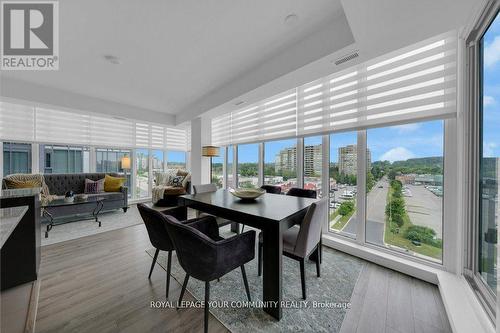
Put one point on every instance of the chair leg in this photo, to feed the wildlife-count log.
(184, 285)
(245, 281)
(303, 278)
(169, 266)
(153, 263)
(320, 251)
(207, 300)
(259, 259)
(318, 260)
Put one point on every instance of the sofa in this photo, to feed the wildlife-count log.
(59, 184)
(165, 195)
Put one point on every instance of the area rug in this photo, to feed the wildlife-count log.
(110, 221)
(328, 297)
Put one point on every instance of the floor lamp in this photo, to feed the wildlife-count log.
(125, 163)
(210, 151)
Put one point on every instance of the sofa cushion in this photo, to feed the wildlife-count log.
(113, 184)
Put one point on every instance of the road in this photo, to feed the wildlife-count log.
(376, 200)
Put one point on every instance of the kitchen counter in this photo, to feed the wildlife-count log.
(9, 219)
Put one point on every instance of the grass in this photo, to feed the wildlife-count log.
(399, 239)
(342, 221)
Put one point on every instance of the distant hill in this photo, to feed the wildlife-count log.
(420, 162)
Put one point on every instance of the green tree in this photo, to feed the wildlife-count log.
(346, 207)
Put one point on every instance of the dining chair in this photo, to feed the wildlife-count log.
(301, 242)
(301, 192)
(158, 236)
(271, 189)
(206, 256)
(209, 188)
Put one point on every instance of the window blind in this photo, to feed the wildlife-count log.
(53, 126)
(20, 122)
(17, 122)
(411, 84)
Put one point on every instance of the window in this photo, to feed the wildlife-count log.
(108, 160)
(280, 164)
(489, 174)
(217, 168)
(16, 158)
(64, 159)
(248, 160)
(230, 167)
(343, 178)
(158, 161)
(313, 163)
(176, 160)
(404, 204)
(141, 173)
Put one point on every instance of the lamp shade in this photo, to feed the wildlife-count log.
(125, 162)
(210, 151)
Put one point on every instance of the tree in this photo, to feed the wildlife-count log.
(392, 174)
(346, 207)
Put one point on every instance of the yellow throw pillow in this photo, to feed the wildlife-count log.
(17, 184)
(113, 184)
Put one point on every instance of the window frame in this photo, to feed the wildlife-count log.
(473, 155)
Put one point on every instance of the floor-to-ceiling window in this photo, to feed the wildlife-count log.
(248, 170)
(217, 168)
(280, 164)
(404, 184)
(176, 159)
(343, 179)
(230, 167)
(64, 159)
(16, 158)
(489, 174)
(108, 160)
(313, 163)
(141, 173)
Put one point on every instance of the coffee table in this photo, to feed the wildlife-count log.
(48, 210)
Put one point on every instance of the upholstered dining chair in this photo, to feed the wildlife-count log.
(300, 192)
(158, 236)
(271, 189)
(206, 256)
(301, 242)
(208, 188)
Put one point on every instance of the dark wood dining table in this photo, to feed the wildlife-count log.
(271, 213)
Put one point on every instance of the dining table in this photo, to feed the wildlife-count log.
(272, 214)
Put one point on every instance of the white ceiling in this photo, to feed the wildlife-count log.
(181, 59)
(173, 53)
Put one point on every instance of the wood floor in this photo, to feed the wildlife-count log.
(99, 284)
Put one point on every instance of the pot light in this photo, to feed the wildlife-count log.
(291, 20)
(112, 59)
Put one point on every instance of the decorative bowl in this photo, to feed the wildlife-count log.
(247, 194)
(81, 197)
(69, 199)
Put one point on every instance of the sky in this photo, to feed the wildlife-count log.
(413, 140)
(491, 86)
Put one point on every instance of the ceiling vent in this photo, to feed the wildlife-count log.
(346, 58)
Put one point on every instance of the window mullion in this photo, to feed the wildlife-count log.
(361, 187)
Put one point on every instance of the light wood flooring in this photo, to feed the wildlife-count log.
(99, 284)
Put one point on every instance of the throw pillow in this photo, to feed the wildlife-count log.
(92, 187)
(113, 184)
(176, 181)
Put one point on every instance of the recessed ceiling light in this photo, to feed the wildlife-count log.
(239, 103)
(112, 59)
(291, 20)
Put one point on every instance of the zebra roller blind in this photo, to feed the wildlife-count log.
(20, 122)
(411, 84)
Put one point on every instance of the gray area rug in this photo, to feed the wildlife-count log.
(339, 274)
(110, 221)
